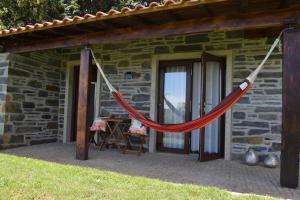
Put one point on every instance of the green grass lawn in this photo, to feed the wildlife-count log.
(24, 178)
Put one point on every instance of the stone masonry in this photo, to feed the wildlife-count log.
(30, 98)
(32, 87)
(256, 117)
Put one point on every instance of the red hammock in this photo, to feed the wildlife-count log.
(215, 113)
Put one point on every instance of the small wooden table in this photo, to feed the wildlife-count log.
(113, 125)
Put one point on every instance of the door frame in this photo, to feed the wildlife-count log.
(154, 91)
(162, 65)
(203, 156)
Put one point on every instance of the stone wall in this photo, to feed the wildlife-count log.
(4, 64)
(256, 117)
(31, 99)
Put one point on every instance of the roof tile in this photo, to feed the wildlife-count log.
(99, 15)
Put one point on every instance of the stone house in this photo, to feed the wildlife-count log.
(150, 53)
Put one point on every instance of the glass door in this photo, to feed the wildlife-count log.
(174, 104)
(212, 92)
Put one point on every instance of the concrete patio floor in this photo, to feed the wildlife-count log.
(230, 175)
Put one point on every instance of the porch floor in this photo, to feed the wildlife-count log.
(230, 175)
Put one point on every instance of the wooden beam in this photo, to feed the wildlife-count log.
(244, 4)
(252, 20)
(284, 3)
(82, 141)
(289, 171)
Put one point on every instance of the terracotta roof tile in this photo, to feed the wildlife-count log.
(138, 9)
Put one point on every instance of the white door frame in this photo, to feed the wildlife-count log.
(154, 92)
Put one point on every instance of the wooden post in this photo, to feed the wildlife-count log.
(82, 142)
(289, 171)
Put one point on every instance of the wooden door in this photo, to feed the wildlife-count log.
(213, 91)
(174, 103)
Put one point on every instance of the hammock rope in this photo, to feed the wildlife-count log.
(211, 116)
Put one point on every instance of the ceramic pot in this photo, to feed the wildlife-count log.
(251, 158)
(271, 161)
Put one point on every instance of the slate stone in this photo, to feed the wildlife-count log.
(2, 97)
(108, 103)
(268, 117)
(123, 64)
(257, 131)
(268, 109)
(18, 117)
(8, 128)
(146, 65)
(241, 73)
(147, 77)
(270, 75)
(196, 38)
(28, 104)
(3, 64)
(18, 97)
(52, 125)
(3, 80)
(234, 34)
(35, 84)
(261, 57)
(244, 100)
(52, 102)
(238, 133)
(2, 72)
(140, 97)
(273, 91)
(28, 129)
(74, 57)
(46, 116)
(53, 75)
(239, 115)
(259, 149)
(234, 46)
(13, 107)
(240, 58)
(161, 49)
(110, 69)
(16, 72)
(132, 75)
(141, 57)
(248, 140)
(275, 147)
(116, 46)
(183, 48)
(276, 129)
(42, 109)
(145, 89)
(43, 93)
(253, 124)
(106, 57)
(16, 139)
(13, 89)
(52, 88)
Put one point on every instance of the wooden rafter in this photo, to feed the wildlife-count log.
(233, 22)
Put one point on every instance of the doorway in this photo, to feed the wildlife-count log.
(188, 89)
(75, 94)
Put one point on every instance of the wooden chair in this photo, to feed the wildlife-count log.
(128, 144)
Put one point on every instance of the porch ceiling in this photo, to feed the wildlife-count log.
(186, 16)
